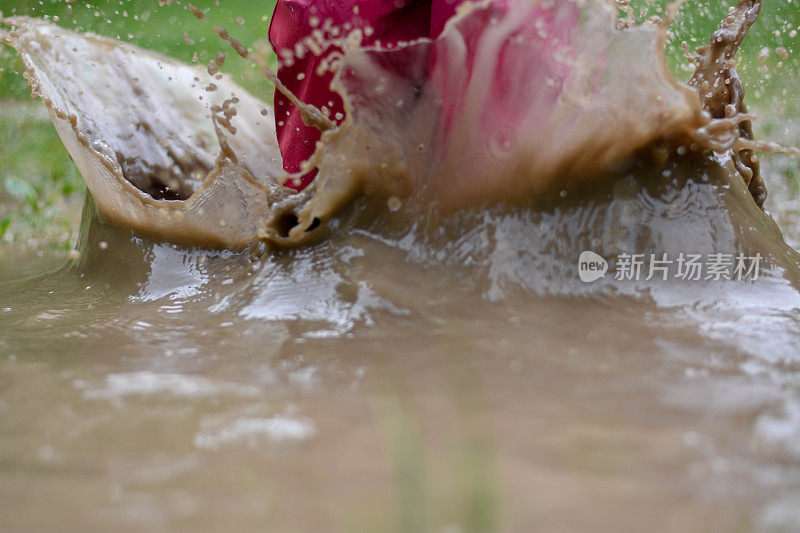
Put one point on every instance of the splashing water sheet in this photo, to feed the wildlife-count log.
(536, 284)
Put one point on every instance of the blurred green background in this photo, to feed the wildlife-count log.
(149, 25)
(37, 176)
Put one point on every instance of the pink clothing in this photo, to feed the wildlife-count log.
(527, 70)
(391, 21)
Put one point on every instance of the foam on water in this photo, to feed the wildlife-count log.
(144, 384)
(252, 431)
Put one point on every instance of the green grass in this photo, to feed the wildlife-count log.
(158, 28)
(37, 177)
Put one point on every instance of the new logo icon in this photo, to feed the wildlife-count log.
(591, 267)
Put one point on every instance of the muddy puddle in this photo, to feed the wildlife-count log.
(368, 384)
(410, 369)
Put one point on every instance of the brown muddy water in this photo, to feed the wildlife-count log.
(416, 373)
